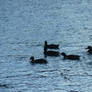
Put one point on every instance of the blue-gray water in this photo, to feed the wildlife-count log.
(25, 25)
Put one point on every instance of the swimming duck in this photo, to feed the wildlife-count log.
(51, 46)
(71, 57)
(51, 53)
(40, 61)
(89, 49)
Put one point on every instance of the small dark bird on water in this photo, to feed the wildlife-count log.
(71, 57)
(51, 53)
(51, 46)
(89, 49)
(40, 61)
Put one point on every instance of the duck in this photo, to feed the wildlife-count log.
(51, 53)
(51, 46)
(89, 49)
(40, 61)
(70, 57)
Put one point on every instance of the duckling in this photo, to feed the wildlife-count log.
(51, 53)
(89, 49)
(71, 57)
(51, 46)
(40, 61)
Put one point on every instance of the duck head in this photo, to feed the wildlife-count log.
(89, 47)
(32, 58)
(63, 54)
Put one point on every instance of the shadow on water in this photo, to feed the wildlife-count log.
(6, 86)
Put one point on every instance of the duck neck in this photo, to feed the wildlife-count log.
(64, 55)
(45, 43)
(32, 60)
(45, 50)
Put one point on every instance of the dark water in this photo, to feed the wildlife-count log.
(25, 25)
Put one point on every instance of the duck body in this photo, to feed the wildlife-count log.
(51, 46)
(51, 53)
(39, 61)
(70, 57)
